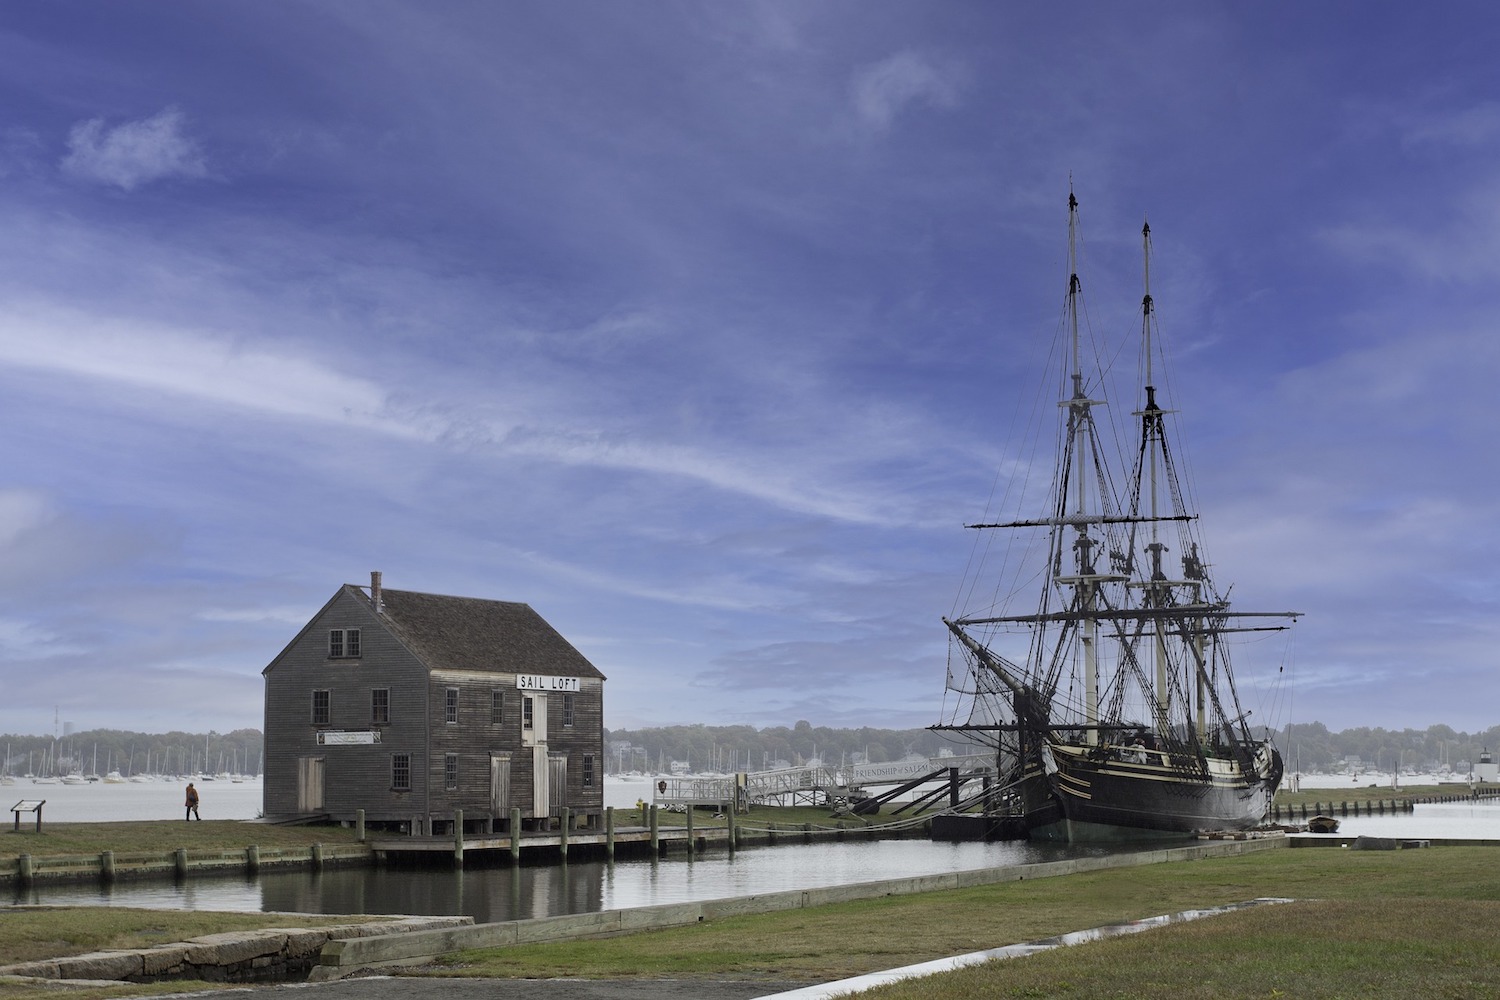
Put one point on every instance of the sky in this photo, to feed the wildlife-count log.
(700, 328)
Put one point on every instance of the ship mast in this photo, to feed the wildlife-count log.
(1152, 430)
(1079, 447)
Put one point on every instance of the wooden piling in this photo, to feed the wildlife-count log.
(107, 865)
(655, 831)
(359, 826)
(609, 832)
(567, 821)
(252, 859)
(458, 838)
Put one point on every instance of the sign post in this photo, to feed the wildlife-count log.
(29, 806)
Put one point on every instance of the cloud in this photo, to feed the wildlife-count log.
(186, 364)
(20, 512)
(887, 88)
(1474, 126)
(134, 153)
(275, 380)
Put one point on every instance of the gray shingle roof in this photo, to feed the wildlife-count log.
(467, 633)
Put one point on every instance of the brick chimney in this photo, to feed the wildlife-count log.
(375, 600)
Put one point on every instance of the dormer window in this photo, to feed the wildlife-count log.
(343, 643)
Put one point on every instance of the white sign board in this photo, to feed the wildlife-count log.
(546, 682)
(331, 739)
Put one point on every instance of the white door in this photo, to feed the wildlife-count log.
(534, 735)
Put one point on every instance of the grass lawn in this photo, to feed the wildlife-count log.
(1389, 915)
(162, 836)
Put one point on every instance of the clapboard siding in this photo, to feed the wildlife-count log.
(417, 647)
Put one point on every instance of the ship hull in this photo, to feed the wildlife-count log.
(1078, 795)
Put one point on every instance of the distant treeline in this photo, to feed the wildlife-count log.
(1306, 746)
(1311, 747)
(99, 751)
(740, 748)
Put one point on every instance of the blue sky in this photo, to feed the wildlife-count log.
(699, 327)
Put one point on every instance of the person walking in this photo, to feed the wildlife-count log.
(192, 803)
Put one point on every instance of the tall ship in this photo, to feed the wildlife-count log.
(1094, 659)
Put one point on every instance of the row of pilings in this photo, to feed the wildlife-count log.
(1375, 807)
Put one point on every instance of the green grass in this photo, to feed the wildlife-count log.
(1366, 895)
(161, 836)
(37, 933)
(1342, 948)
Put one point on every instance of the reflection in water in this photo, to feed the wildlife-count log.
(498, 891)
(487, 894)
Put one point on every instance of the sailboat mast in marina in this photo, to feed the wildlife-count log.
(1110, 702)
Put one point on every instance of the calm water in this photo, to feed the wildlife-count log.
(504, 893)
(101, 803)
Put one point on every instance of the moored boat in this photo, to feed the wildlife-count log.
(1109, 698)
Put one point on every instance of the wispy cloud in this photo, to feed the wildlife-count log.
(187, 364)
(1473, 126)
(883, 91)
(135, 152)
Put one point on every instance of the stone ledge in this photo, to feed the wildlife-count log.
(236, 956)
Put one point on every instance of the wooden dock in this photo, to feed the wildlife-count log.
(653, 837)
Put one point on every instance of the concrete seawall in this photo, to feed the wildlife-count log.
(342, 957)
(107, 865)
(264, 955)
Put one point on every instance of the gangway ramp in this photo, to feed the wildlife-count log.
(814, 784)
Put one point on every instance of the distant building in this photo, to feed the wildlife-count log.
(411, 706)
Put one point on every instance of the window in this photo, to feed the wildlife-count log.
(588, 770)
(567, 710)
(497, 707)
(451, 708)
(380, 706)
(401, 772)
(527, 713)
(450, 771)
(321, 709)
(343, 642)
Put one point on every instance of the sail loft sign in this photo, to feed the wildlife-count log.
(330, 738)
(543, 682)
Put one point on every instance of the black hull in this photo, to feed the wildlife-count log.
(1077, 796)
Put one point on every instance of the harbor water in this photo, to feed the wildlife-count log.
(497, 891)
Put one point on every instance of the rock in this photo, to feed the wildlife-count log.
(101, 965)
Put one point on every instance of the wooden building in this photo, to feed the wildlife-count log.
(411, 706)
